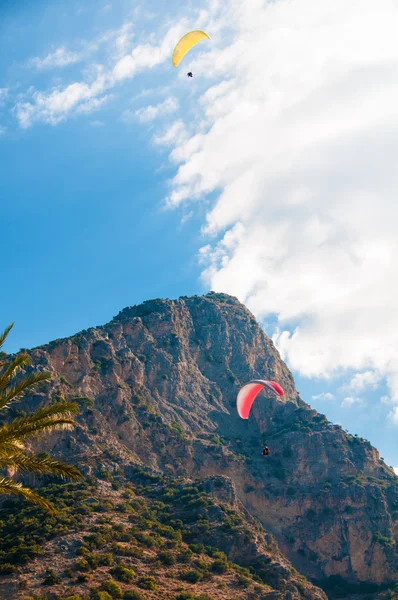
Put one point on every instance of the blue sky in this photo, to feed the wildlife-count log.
(270, 176)
(84, 195)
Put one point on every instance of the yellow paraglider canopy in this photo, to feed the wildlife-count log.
(186, 43)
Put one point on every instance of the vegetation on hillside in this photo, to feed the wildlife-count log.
(152, 536)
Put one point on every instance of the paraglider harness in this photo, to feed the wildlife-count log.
(266, 451)
(189, 74)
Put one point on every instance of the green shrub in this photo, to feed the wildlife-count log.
(185, 556)
(382, 540)
(113, 589)
(148, 583)
(189, 596)
(101, 595)
(82, 565)
(197, 548)
(243, 580)
(219, 566)
(51, 578)
(178, 430)
(192, 576)
(133, 551)
(7, 569)
(202, 565)
(123, 573)
(68, 573)
(104, 560)
(167, 558)
(133, 595)
(145, 540)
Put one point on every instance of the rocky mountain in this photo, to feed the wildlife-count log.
(158, 385)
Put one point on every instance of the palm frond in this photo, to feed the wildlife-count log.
(5, 333)
(58, 409)
(14, 392)
(8, 487)
(41, 465)
(55, 416)
(12, 433)
(19, 361)
(11, 448)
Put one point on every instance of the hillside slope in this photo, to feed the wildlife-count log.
(147, 535)
(158, 386)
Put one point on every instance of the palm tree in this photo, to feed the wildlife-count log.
(14, 456)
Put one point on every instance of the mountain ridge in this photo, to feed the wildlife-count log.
(158, 386)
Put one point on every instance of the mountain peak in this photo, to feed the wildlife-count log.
(158, 387)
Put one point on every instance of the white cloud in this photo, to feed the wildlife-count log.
(93, 104)
(61, 57)
(396, 470)
(145, 56)
(385, 400)
(128, 116)
(350, 401)
(150, 113)
(117, 42)
(324, 396)
(173, 135)
(362, 381)
(393, 416)
(298, 137)
(124, 39)
(57, 104)
(97, 124)
(3, 95)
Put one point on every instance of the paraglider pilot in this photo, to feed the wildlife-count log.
(265, 451)
(189, 74)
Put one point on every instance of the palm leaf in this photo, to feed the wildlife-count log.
(41, 465)
(14, 392)
(8, 487)
(10, 448)
(19, 361)
(48, 418)
(58, 409)
(12, 433)
(5, 333)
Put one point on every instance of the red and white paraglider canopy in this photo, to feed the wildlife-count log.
(249, 393)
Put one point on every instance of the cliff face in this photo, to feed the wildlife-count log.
(158, 386)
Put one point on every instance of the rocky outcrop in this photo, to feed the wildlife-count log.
(158, 386)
